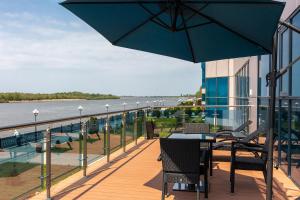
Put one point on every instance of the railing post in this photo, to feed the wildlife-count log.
(135, 127)
(43, 160)
(84, 153)
(124, 131)
(48, 163)
(107, 139)
(144, 124)
(215, 118)
(183, 116)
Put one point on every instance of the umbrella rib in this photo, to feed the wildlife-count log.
(194, 26)
(188, 37)
(160, 22)
(190, 17)
(227, 28)
(138, 26)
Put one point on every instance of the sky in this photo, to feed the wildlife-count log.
(45, 48)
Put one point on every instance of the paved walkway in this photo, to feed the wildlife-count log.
(137, 176)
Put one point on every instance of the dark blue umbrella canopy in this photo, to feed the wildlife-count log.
(192, 30)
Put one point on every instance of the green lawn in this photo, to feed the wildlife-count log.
(11, 169)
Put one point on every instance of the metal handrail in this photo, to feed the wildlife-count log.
(45, 122)
(202, 106)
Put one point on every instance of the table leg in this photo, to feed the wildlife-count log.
(211, 159)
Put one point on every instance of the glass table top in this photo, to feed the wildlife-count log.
(205, 137)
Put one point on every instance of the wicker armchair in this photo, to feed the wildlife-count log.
(183, 162)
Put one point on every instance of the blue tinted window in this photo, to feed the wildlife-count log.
(295, 54)
(222, 101)
(285, 61)
(222, 87)
(264, 68)
(211, 101)
(211, 85)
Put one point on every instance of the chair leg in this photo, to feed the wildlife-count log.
(211, 160)
(232, 178)
(198, 191)
(166, 189)
(206, 184)
(163, 189)
(265, 175)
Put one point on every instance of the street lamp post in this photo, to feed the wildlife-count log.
(80, 108)
(124, 105)
(154, 102)
(35, 113)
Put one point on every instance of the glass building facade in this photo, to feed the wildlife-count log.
(288, 100)
(242, 94)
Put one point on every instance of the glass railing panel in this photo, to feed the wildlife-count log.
(129, 127)
(21, 163)
(140, 123)
(95, 138)
(295, 141)
(115, 132)
(66, 148)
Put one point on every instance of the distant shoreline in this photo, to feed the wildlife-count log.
(16, 97)
(54, 100)
(46, 100)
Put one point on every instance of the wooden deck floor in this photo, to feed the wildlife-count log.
(137, 176)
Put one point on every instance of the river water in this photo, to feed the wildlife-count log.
(18, 113)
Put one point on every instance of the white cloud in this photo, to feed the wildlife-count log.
(37, 43)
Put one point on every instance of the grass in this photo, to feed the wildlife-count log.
(12, 169)
(59, 149)
(92, 140)
(165, 122)
(164, 134)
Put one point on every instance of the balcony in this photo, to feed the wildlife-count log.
(110, 158)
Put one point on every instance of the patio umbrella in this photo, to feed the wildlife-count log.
(192, 30)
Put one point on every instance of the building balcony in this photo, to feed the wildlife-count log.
(106, 156)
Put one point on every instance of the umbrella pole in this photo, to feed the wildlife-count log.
(271, 124)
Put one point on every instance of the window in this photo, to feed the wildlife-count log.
(295, 54)
(211, 85)
(284, 89)
(264, 68)
(242, 85)
(217, 91)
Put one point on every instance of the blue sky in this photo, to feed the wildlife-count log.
(45, 48)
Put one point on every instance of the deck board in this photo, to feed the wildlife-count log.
(137, 176)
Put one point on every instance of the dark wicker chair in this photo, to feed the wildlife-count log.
(195, 128)
(183, 162)
(150, 126)
(257, 162)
